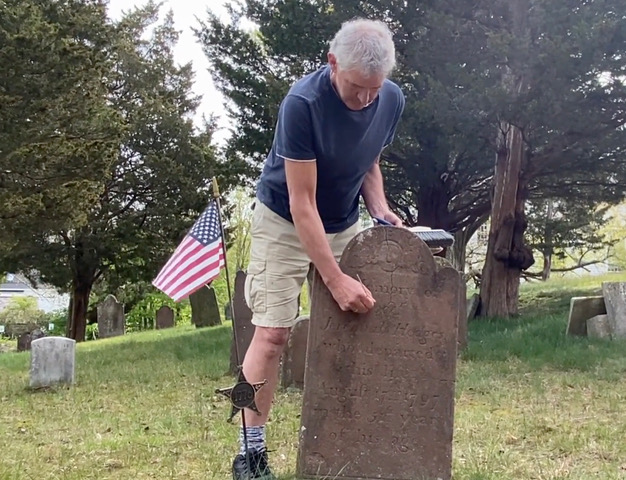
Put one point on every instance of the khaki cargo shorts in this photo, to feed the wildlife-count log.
(279, 266)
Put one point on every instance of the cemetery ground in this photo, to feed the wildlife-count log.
(531, 403)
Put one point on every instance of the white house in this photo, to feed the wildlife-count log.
(48, 299)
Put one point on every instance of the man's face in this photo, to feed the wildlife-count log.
(356, 90)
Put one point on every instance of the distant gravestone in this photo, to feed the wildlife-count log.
(52, 362)
(243, 328)
(615, 301)
(164, 317)
(294, 356)
(24, 342)
(462, 329)
(472, 306)
(462, 322)
(204, 309)
(378, 399)
(582, 309)
(111, 322)
(598, 327)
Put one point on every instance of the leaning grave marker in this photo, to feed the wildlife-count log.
(378, 398)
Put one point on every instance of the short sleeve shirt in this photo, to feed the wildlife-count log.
(315, 125)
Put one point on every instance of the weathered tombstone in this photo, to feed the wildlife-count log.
(52, 361)
(472, 306)
(615, 301)
(582, 309)
(242, 325)
(204, 309)
(164, 317)
(599, 327)
(24, 342)
(294, 356)
(443, 262)
(111, 321)
(462, 328)
(378, 398)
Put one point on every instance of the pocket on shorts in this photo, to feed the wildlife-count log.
(255, 288)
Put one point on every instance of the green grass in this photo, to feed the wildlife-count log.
(531, 404)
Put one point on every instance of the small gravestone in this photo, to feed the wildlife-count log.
(472, 306)
(204, 309)
(111, 322)
(378, 400)
(294, 357)
(443, 262)
(164, 317)
(243, 329)
(24, 342)
(598, 327)
(463, 331)
(52, 361)
(582, 309)
(615, 300)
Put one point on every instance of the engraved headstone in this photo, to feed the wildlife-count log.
(164, 317)
(242, 325)
(204, 309)
(615, 300)
(378, 398)
(582, 309)
(294, 356)
(111, 321)
(52, 361)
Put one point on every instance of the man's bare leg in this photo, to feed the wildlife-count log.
(261, 363)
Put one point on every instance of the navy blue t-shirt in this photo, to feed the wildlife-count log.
(315, 125)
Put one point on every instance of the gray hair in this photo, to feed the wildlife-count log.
(364, 45)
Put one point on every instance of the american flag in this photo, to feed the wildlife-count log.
(198, 259)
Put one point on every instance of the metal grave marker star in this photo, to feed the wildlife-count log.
(241, 395)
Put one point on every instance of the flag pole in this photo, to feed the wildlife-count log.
(239, 401)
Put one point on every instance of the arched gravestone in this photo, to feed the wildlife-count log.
(378, 399)
(205, 311)
(111, 320)
(165, 317)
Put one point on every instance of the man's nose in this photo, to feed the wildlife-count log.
(364, 96)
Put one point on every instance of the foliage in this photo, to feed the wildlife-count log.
(440, 155)
(23, 310)
(153, 189)
(59, 135)
(59, 319)
(615, 231)
(143, 315)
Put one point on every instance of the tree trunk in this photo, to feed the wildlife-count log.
(80, 303)
(547, 265)
(507, 255)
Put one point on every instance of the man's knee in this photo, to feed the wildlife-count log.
(272, 339)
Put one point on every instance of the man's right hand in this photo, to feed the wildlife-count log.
(350, 294)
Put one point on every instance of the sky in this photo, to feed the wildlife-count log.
(186, 13)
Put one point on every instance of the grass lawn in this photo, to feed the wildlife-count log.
(531, 404)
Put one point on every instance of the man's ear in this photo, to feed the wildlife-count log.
(332, 61)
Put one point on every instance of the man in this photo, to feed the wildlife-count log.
(332, 126)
